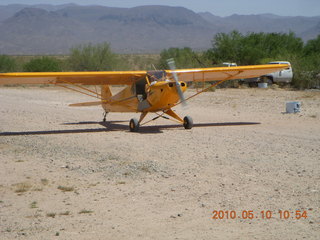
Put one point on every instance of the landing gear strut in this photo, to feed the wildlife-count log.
(104, 117)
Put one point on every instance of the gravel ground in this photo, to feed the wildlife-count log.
(66, 175)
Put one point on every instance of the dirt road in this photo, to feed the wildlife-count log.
(66, 175)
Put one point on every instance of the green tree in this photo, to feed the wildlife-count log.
(183, 57)
(225, 47)
(253, 47)
(43, 64)
(307, 67)
(312, 46)
(93, 58)
(7, 64)
(305, 70)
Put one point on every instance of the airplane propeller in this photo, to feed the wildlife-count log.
(172, 67)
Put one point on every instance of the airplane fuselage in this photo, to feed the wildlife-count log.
(157, 96)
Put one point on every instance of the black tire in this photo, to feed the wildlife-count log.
(253, 84)
(270, 81)
(134, 125)
(187, 122)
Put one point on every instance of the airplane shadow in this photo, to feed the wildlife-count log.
(117, 126)
(159, 128)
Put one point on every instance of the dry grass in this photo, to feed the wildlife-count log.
(66, 189)
(66, 213)
(34, 204)
(310, 95)
(84, 211)
(22, 187)
(34, 216)
(121, 182)
(94, 184)
(44, 181)
(53, 215)
(37, 189)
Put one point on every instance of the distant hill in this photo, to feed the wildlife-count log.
(10, 10)
(48, 29)
(268, 23)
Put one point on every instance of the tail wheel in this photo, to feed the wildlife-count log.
(134, 125)
(187, 122)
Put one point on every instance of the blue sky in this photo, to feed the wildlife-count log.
(217, 7)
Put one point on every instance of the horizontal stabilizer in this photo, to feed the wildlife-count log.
(86, 104)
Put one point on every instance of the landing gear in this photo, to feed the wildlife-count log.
(187, 122)
(104, 117)
(134, 125)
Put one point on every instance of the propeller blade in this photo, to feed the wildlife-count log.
(172, 66)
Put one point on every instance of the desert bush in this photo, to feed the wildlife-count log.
(90, 57)
(43, 64)
(312, 47)
(251, 48)
(260, 48)
(7, 64)
(306, 65)
(183, 57)
(306, 71)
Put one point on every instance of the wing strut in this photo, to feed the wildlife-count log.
(211, 86)
(83, 88)
(75, 90)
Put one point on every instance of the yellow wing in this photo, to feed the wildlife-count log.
(130, 77)
(84, 78)
(225, 73)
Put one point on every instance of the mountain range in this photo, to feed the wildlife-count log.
(54, 29)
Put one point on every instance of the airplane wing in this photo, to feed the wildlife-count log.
(83, 78)
(225, 73)
(130, 77)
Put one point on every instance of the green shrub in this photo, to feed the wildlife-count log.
(183, 57)
(93, 58)
(251, 48)
(306, 71)
(7, 64)
(43, 64)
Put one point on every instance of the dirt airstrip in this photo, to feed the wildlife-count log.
(66, 175)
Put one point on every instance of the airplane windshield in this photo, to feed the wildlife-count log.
(156, 75)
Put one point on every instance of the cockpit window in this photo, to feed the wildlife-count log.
(156, 75)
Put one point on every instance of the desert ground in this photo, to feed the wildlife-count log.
(64, 174)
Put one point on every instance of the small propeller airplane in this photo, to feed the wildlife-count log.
(146, 92)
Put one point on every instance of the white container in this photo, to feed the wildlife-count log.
(262, 85)
(293, 107)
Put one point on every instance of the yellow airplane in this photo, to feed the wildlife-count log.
(146, 91)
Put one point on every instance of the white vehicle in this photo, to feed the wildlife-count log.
(230, 64)
(284, 76)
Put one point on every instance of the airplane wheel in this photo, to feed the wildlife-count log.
(134, 125)
(187, 122)
(270, 81)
